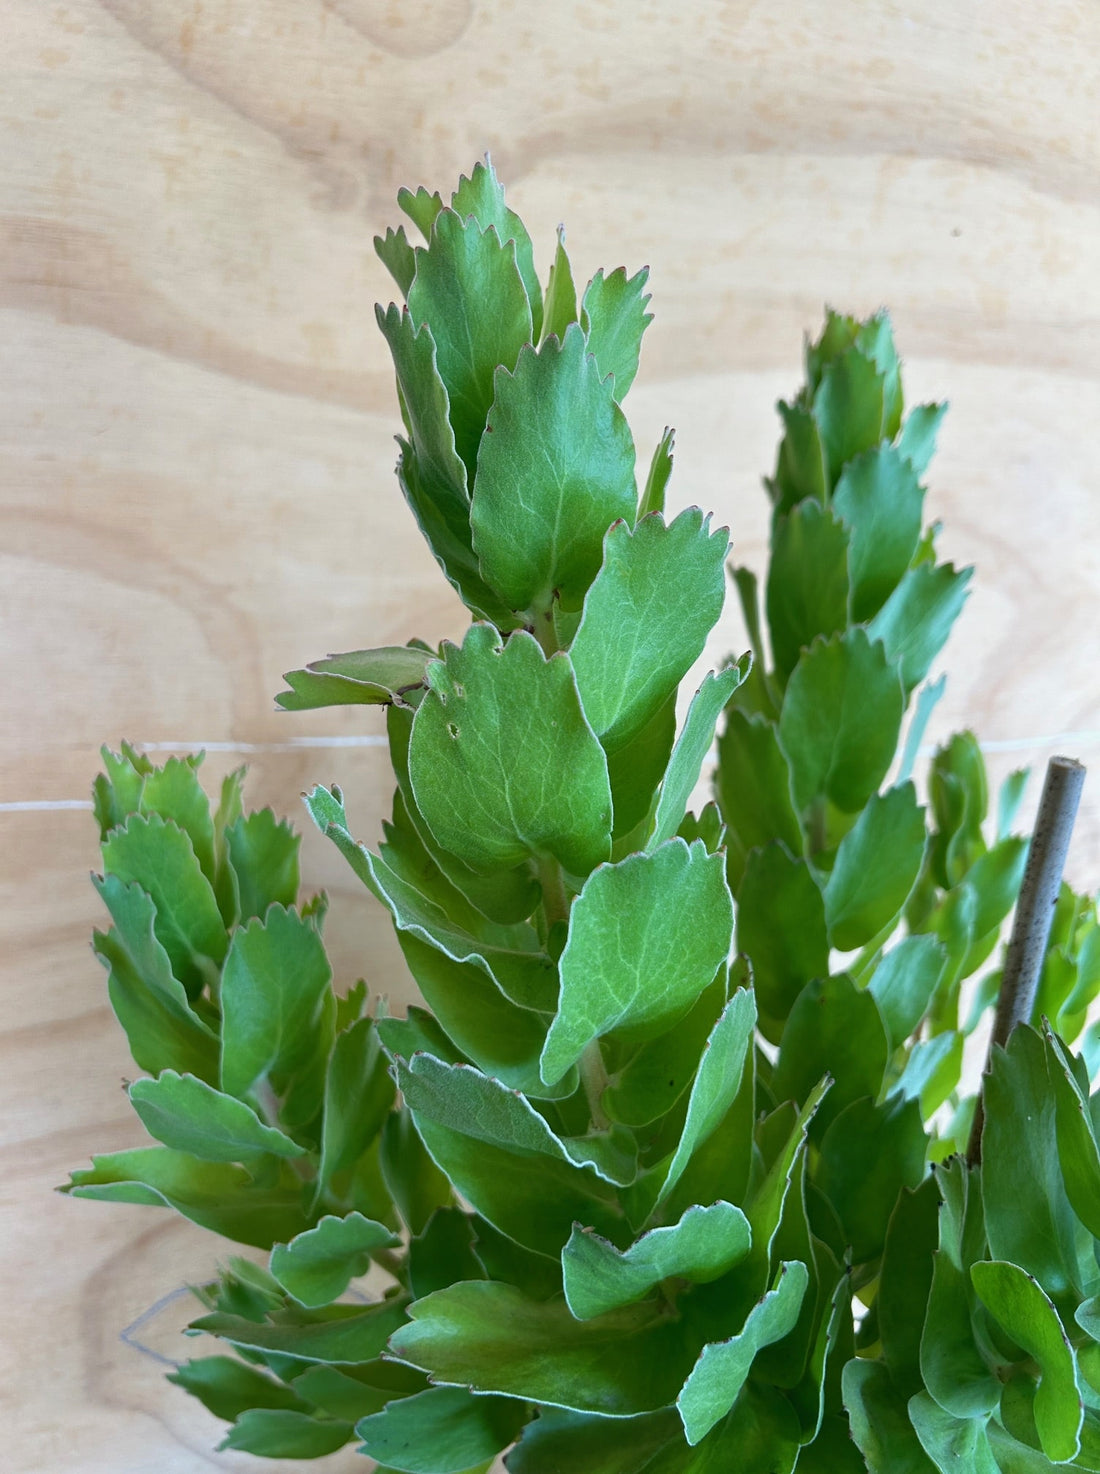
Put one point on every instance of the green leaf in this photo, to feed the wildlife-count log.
(807, 591)
(463, 1099)
(561, 294)
(840, 720)
(868, 1154)
(848, 408)
(692, 746)
(636, 771)
(876, 867)
(635, 644)
(700, 1247)
(1078, 1152)
(359, 678)
(175, 793)
(416, 1184)
(1029, 1219)
(880, 1424)
(185, 1113)
(427, 411)
(645, 938)
(421, 208)
(656, 1075)
(714, 1092)
(275, 1433)
(951, 1443)
(753, 784)
(264, 855)
(875, 337)
(916, 619)
(482, 196)
(927, 702)
(443, 1253)
(582, 1443)
(918, 435)
(444, 1430)
(397, 256)
(881, 500)
(358, 1096)
(903, 984)
(800, 471)
(159, 856)
(274, 990)
(529, 1196)
(228, 1387)
(219, 1196)
(614, 316)
(501, 733)
(469, 289)
(781, 929)
(344, 1335)
(555, 469)
(117, 793)
(1017, 1302)
(317, 1266)
(1009, 799)
(660, 469)
(834, 1028)
(905, 1282)
(951, 1363)
(723, 1366)
(491, 1338)
(161, 1028)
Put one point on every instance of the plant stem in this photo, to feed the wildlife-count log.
(1042, 882)
(594, 1079)
(555, 903)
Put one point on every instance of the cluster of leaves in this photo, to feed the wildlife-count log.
(652, 1194)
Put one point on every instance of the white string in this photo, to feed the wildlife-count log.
(56, 805)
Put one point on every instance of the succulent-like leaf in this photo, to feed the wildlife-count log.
(614, 317)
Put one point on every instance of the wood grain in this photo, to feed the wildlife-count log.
(196, 454)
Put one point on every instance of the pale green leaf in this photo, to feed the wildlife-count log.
(692, 746)
(397, 256)
(175, 793)
(317, 1266)
(660, 469)
(614, 316)
(951, 1443)
(341, 1335)
(917, 442)
(228, 1387)
(916, 619)
(357, 678)
(264, 855)
(186, 1113)
(358, 1096)
(482, 196)
(445, 1430)
(560, 308)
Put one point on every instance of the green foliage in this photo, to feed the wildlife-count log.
(664, 1178)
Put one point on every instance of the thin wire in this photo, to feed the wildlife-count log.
(127, 1335)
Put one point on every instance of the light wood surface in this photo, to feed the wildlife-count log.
(196, 455)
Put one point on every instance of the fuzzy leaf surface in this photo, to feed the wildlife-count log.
(357, 678)
(445, 1430)
(692, 746)
(191, 1116)
(646, 936)
(317, 1266)
(501, 735)
(481, 195)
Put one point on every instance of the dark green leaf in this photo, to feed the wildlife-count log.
(358, 1095)
(555, 469)
(501, 732)
(848, 408)
(635, 644)
(264, 855)
(834, 1028)
(275, 1433)
(880, 1424)
(346, 1335)
(427, 412)
(581, 1443)
(868, 1155)
(646, 936)
(469, 289)
(614, 316)
(444, 1430)
(840, 720)
(905, 1282)
(228, 1387)
(807, 592)
(876, 867)
(443, 1253)
(397, 256)
(951, 1443)
(800, 470)
(416, 1184)
(903, 984)
(636, 771)
(656, 1075)
(781, 929)
(186, 1113)
(753, 784)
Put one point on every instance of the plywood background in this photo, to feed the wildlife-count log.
(195, 442)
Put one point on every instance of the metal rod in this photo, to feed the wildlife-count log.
(1042, 882)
